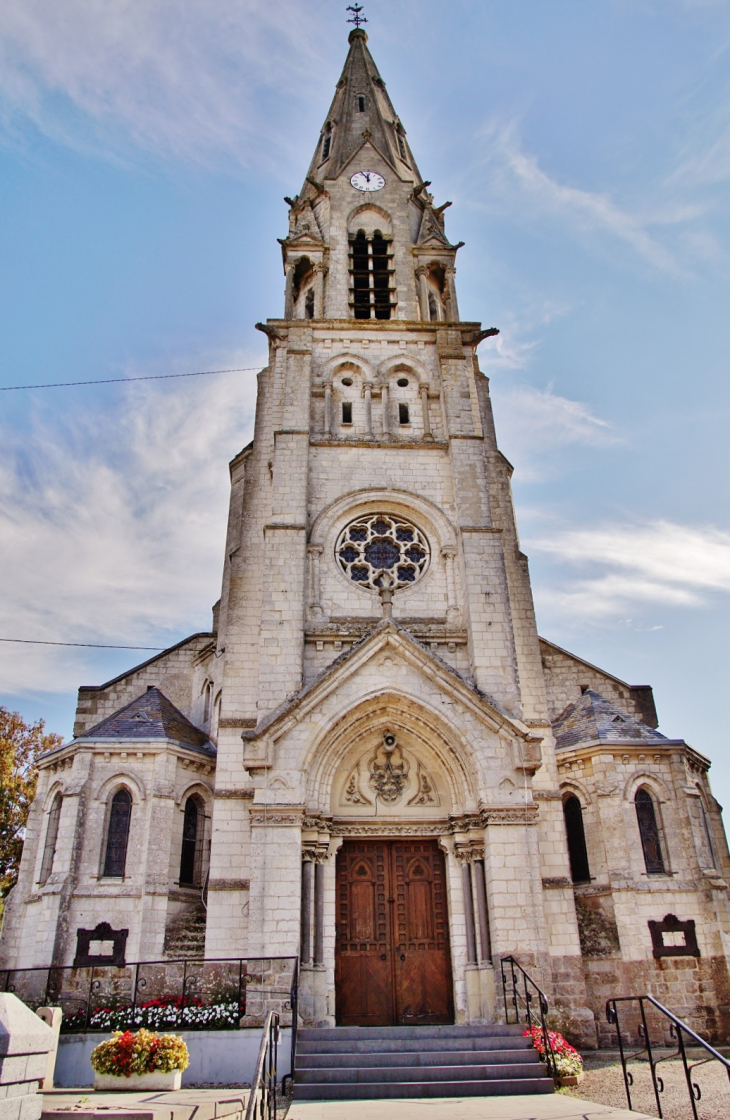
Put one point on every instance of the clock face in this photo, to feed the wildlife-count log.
(367, 181)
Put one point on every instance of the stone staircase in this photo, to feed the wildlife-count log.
(370, 1063)
(185, 934)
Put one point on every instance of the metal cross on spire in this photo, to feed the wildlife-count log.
(357, 19)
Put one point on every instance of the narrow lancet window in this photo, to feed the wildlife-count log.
(346, 412)
(190, 851)
(309, 304)
(573, 813)
(326, 143)
(402, 147)
(649, 832)
(49, 848)
(115, 858)
(403, 417)
(361, 104)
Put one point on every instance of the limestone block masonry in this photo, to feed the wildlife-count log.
(371, 760)
(25, 1042)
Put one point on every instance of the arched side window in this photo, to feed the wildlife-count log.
(117, 835)
(573, 813)
(711, 860)
(49, 848)
(191, 851)
(649, 832)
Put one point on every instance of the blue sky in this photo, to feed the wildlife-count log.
(145, 148)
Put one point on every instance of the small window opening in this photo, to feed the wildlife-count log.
(49, 848)
(402, 381)
(403, 414)
(191, 851)
(208, 696)
(326, 142)
(402, 146)
(309, 304)
(115, 857)
(649, 832)
(361, 104)
(347, 381)
(575, 832)
(432, 307)
(346, 412)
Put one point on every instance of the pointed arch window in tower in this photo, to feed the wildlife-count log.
(649, 832)
(192, 846)
(360, 104)
(371, 269)
(327, 142)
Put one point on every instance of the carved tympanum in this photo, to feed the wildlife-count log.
(390, 774)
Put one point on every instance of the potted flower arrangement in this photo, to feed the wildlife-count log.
(568, 1062)
(139, 1061)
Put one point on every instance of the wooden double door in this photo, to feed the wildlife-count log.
(393, 964)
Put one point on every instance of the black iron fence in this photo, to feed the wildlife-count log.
(637, 1021)
(185, 994)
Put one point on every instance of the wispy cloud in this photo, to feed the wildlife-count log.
(112, 523)
(516, 176)
(620, 567)
(536, 424)
(194, 80)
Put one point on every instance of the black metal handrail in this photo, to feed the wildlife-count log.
(262, 1100)
(176, 985)
(677, 1030)
(523, 991)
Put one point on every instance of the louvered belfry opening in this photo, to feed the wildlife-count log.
(371, 269)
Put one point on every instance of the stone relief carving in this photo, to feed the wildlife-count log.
(389, 774)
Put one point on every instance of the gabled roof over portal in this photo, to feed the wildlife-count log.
(593, 718)
(151, 716)
(389, 633)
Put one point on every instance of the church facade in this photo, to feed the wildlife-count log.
(372, 761)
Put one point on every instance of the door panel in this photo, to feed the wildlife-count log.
(392, 948)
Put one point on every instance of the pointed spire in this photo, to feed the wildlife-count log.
(361, 111)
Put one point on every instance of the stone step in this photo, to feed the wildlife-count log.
(389, 1090)
(417, 1074)
(334, 1045)
(480, 1057)
(458, 1030)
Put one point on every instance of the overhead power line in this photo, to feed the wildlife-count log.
(84, 645)
(121, 380)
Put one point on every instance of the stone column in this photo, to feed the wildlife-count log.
(485, 941)
(422, 273)
(452, 306)
(319, 913)
(368, 387)
(328, 410)
(315, 553)
(471, 944)
(289, 291)
(306, 937)
(320, 271)
(452, 610)
(426, 417)
(384, 406)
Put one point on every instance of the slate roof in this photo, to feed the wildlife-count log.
(151, 716)
(593, 718)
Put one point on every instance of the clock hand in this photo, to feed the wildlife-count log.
(367, 176)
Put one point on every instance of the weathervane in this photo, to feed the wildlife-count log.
(357, 19)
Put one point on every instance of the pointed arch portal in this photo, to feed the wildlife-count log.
(392, 959)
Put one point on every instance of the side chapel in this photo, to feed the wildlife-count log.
(372, 760)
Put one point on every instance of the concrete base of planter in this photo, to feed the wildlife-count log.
(570, 1079)
(138, 1082)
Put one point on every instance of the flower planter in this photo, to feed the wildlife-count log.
(570, 1079)
(138, 1082)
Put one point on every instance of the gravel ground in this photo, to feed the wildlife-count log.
(603, 1083)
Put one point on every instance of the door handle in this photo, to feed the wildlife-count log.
(402, 956)
(383, 956)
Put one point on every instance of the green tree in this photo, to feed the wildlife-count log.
(21, 744)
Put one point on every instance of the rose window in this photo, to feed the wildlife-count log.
(382, 543)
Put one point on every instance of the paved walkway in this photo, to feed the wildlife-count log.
(181, 1104)
(538, 1107)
